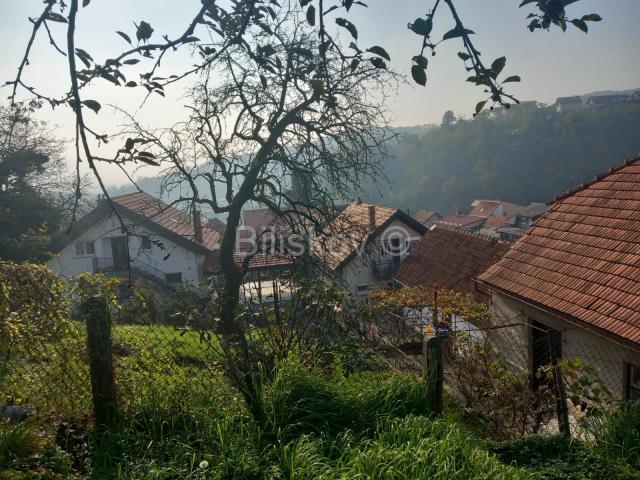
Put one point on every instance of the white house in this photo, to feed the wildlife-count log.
(160, 242)
(365, 244)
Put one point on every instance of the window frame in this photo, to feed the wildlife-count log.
(632, 388)
(93, 247)
(79, 249)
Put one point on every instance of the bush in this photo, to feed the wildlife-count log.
(32, 302)
(558, 458)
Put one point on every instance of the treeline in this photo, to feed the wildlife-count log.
(522, 158)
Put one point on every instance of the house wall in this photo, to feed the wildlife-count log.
(360, 270)
(606, 356)
(68, 264)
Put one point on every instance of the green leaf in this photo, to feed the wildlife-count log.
(263, 81)
(457, 32)
(381, 52)
(92, 104)
(378, 63)
(55, 17)
(421, 61)
(419, 75)
(592, 17)
(131, 84)
(581, 24)
(526, 2)
(343, 22)
(512, 78)
(464, 56)
(347, 4)
(354, 64)
(143, 31)
(480, 106)
(311, 15)
(421, 26)
(85, 3)
(131, 61)
(498, 65)
(124, 35)
(318, 86)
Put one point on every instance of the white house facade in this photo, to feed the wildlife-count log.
(159, 242)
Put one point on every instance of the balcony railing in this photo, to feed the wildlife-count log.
(385, 269)
(137, 268)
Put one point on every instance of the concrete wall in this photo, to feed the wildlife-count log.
(68, 264)
(608, 357)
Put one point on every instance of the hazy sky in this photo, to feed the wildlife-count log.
(551, 64)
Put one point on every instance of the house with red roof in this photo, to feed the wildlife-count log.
(160, 242)
(365, 244)
(450, 258)
(575, 273)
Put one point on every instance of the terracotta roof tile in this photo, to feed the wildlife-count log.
(450, 258)
(168, 217)
(582, 257)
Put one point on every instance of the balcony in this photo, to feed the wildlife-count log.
(384, 269)
(136, 268)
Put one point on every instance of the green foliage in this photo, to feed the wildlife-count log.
(299, 401)
(521, 158)
(32, 302)
(618, 435)
(556, 458)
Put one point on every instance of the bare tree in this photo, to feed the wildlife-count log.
(266, 115)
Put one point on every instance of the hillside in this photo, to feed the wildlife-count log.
(522, 159)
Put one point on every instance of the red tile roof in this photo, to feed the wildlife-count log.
(423, 216)
(463, 221)
(348, 230)
(264, 261)
(450, 258)
(167, 217)
(582, 257)
(484, 208)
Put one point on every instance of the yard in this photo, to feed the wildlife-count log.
(181, 419)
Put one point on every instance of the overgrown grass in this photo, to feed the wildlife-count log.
(180, 419)
(558, 458)
(618, 435)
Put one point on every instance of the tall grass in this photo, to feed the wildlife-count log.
(618, 436)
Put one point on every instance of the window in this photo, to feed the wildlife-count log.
(173, 278)
(633, 382)
(85, 248)
(146, 243)
(362, 289)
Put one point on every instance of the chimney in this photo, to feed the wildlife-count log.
(197, 225)
(372, 217)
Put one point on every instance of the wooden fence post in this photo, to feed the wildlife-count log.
(100, 361)
(555, 339)
(434, 372)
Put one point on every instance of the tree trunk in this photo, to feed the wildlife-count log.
(232, 277)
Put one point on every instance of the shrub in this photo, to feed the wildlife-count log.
(558, 458)
(32, 302)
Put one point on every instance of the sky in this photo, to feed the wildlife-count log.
(551, 64)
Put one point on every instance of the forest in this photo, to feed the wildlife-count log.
(521, 158)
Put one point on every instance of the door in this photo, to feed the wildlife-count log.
(543, 350)
(120, 252)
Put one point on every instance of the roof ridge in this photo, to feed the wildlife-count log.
(601, 176)
(482, 236)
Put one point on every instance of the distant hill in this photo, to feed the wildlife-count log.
(521, 158)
